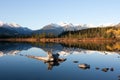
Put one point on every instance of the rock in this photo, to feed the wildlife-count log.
(111, 69)
(105, 69)
(119, 76)
(84, 66)
(75, 61)
(97, 68)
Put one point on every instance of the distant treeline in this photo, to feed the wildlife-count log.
(111, 32)
(99, 32)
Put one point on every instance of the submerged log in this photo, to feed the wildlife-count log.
(45, 59)
(50, 59)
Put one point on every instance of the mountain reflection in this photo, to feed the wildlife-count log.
(7, 48)
(62, 49)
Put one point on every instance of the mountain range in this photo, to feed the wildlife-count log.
(59, 28)
(14, 29)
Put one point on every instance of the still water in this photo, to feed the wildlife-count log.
(17, 62)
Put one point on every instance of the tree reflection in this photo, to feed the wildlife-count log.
(98, 45)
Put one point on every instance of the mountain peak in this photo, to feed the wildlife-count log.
(1, 23)
(9, 25)
(51, 26)
(65, 24)
(14, 25)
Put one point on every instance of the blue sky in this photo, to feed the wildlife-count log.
(35, 14)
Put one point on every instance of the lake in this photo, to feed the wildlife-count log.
(18, 61)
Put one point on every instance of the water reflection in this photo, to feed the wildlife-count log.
(63, 48)
(7, 48)
(51, 59)
(82, 60)
(100, 46)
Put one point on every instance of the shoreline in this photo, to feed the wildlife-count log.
(58, 40)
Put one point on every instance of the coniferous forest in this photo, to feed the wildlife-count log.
(99, 32)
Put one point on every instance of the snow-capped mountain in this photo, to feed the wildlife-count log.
(13, 29)
(51, 26)
(107, 24)
(67, 27)
(50, 29)
(56, 29)
(1, 23)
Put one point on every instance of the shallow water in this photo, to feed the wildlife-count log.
(16, 65)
